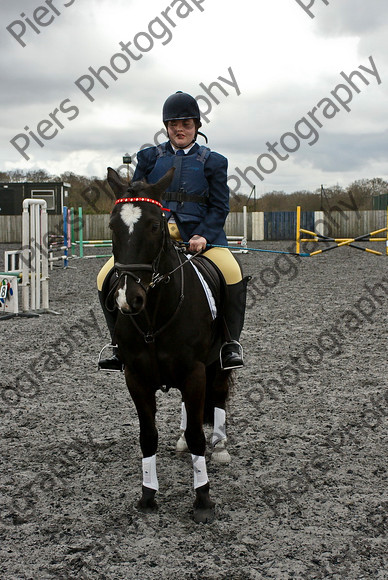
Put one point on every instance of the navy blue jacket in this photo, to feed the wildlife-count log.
(201, 173)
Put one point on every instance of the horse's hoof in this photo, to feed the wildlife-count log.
(204, 515)
(220, 454)
(204, 507)
(148, 507)
(147, 503)
(181, 445)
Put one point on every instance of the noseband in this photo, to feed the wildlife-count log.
(127, 270)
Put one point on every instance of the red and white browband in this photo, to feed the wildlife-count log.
(134, 199)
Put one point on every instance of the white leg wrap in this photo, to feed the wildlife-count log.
(219, 431)
(200, 472)
(183, 418)
(149, 473)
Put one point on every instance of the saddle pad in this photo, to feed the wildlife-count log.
(208, 292)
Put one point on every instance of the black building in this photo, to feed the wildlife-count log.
(380, 201)
(13, 194)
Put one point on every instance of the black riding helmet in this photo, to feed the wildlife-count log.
(182, 106)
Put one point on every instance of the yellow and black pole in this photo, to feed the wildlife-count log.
(349, 242)
(339, 242)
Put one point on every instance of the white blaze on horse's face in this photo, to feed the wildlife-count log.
(122, 297)
(130, 214)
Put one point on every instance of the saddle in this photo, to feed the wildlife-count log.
(216, 282)
(214, 278)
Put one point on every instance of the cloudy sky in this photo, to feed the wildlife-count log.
(277, 108)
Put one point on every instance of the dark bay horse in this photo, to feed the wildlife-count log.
(165, 331)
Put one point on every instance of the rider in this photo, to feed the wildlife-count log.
(198, 198)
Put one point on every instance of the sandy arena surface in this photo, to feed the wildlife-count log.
(305, 495)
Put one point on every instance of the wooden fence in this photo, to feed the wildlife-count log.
(260, 225)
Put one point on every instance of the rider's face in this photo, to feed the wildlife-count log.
(181, 132)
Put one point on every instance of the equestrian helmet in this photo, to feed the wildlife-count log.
(181, 106)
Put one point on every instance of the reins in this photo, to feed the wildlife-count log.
(161, 277)
(208, 246)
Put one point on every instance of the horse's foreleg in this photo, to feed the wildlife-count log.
(194, 399)
(145, 402)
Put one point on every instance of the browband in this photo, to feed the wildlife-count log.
(134, 199)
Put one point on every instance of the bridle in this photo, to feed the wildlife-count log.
(122, 270)
(128, 269)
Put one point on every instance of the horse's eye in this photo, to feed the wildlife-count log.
(155, 227)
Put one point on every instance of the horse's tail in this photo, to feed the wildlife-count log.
(218, 384)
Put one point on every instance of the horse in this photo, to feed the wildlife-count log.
(165, 333)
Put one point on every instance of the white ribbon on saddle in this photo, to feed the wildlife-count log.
(208, 292)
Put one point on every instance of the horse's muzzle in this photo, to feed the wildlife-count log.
(131, 292)
(130, 295)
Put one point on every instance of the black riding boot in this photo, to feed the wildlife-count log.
(113, 363)
(231, 351)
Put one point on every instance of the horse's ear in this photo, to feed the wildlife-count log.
(158, 188)
(118, 187)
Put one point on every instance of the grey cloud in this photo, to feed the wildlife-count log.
(43, 74)
(352, 17)
(344, 152)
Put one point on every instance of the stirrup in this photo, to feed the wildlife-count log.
(240, 354)
(99, 359)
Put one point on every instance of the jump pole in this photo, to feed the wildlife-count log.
(298, 229)
(386, 243)
(82, 244)
(316, 237)
(240, 240)
(65, 237)
(349, 242)
(80, 232)
(72, 234)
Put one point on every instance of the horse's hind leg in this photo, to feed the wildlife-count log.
(217, 393)
(194, 399)
(145, 402)
(181, 445)
(217, 390)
